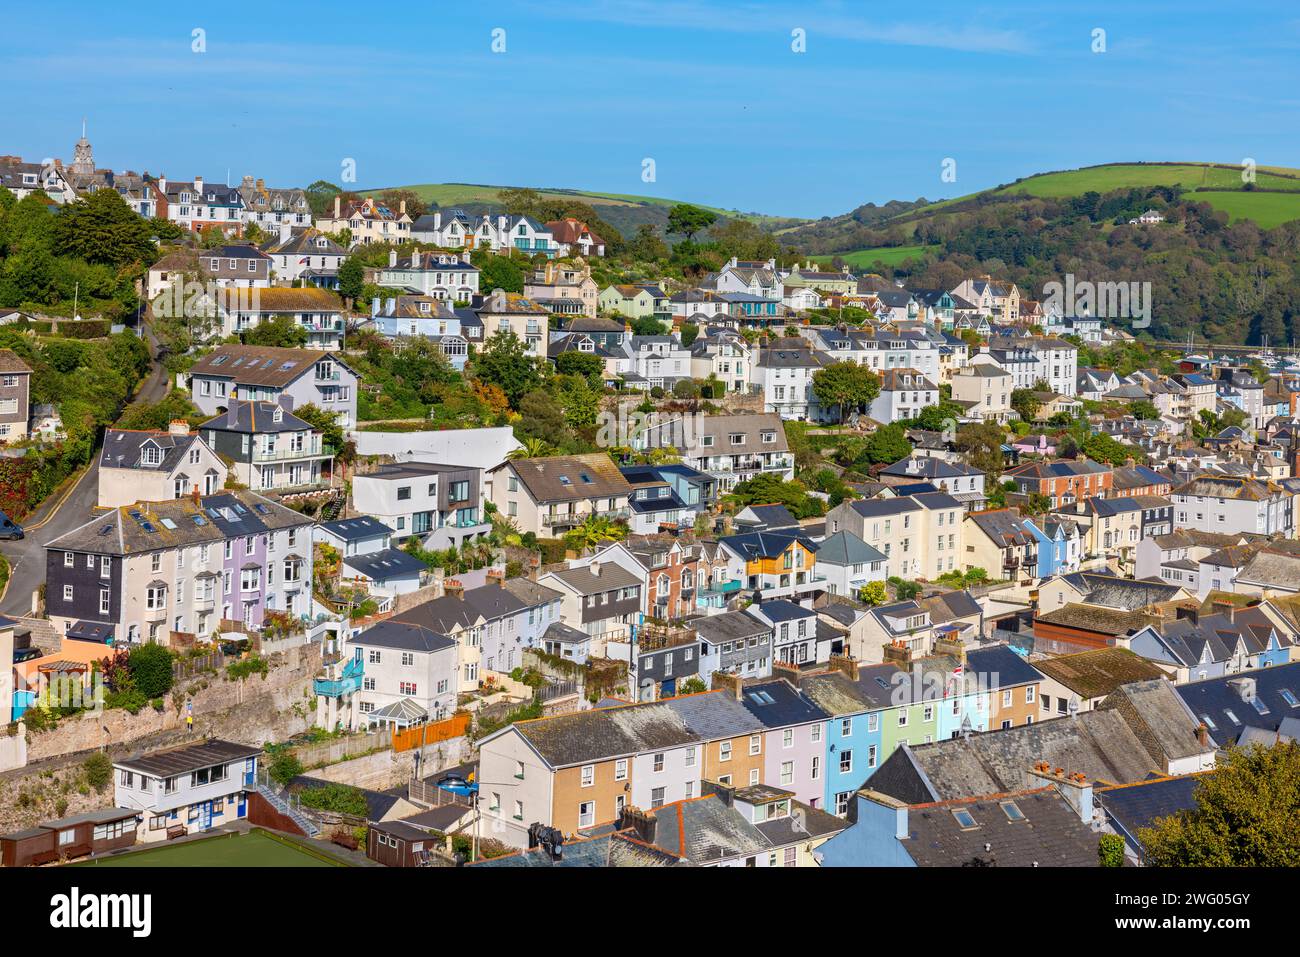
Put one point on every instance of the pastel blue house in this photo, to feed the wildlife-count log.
(875, 838)
(405, 316)
(1199, 646)
(1051, 547)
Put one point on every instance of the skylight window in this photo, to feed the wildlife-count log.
(1232, 717)
(964, 819)
(1289, 698)
(1012, 811)
(1209, 722)
(1260, 706)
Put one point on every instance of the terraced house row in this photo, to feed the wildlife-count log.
(815, 737)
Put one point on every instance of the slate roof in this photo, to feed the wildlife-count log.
(845, 548)
(1049, 835)
(192, 757)
(622, 849)
(1167, 722)
(260, 365)
(121, 449)
(1221, 700)
(1272, 569)
(781, 609)
(255, 418)
(356, 529)
(403, 636)
(489, 602)
(1131, 807)
(1095, 674)
(1225, 487)
(779, 704)
(586, 736)
(705, 830)
(570, 478)
(947, 606)
(1003, 527)
(384, 565)
(929, 467)
(583, 582)
(1121, 593)
(1098, 744)
(729, 626)
(179, 522)
(769, 517)
(754, 545)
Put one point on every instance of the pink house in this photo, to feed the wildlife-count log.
(1044, 445)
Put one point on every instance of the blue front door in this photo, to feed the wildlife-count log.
(243, 805)
(249, 771)
(205, 816)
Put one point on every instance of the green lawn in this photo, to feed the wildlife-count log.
(884, 255)
(256, 848)
(1105, 178)
(1266, 209)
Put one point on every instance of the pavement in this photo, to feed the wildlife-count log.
(69, 507)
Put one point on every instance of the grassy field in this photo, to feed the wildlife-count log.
(1105, 178)
(888, 256)
(1268, 210)
(453, 194)
(256, 848)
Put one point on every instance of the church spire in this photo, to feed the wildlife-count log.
(83, 158)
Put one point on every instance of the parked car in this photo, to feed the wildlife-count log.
(457, 784)
(9, 530)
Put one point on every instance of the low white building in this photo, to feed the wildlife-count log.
(194, 788)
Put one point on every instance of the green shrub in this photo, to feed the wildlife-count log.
(98, 769)
(284, 767)
(151, 669)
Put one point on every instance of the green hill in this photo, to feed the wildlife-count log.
(1274, 200)
(624, 211)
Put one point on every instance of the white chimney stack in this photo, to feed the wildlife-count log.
(392, 258)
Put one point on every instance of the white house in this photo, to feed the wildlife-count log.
(190, 789)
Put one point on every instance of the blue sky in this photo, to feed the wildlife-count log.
(711, 91)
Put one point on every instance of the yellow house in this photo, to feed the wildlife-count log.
(777, 564)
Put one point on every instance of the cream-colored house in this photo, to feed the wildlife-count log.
(368, 221)
(921, 536)
(509, 312)
(548, 496)
(985, 389)
(565, 289)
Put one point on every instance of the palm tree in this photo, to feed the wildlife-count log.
(595, 531)
(533, 448)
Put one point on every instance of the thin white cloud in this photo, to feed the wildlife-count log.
(828, 21)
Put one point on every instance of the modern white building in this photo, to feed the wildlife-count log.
(187, 790)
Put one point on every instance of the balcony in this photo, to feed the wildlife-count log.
(724, 588)
(566, 519)
(312, 450)
(348, 680)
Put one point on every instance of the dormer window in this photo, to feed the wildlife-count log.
(277, 415)
(151, 455)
